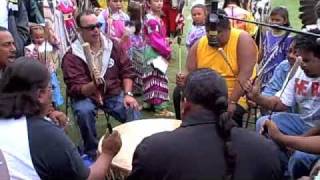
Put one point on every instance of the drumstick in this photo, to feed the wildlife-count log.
(290, 75)
(98, 81)
(87, 52)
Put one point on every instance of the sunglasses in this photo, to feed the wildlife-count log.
(92, 26)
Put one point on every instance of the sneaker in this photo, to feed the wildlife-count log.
(165, 113)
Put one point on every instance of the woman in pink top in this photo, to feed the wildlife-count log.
(156, 56)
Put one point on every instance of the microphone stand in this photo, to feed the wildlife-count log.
(285, 28)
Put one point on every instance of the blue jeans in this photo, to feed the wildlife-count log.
(288, 123)
(299, 163)
(85, 113)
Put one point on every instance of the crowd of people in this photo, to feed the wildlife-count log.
(109, 57)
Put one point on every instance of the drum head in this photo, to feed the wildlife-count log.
(132, 133)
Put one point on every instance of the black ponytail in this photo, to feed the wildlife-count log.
(224, 127)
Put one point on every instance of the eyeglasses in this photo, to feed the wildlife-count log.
(92, 26)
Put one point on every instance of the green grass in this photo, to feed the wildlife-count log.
(73, 130)
(293, 8)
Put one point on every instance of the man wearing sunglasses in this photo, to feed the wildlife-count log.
(113, 67)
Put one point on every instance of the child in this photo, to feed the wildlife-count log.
(113, 21)
(68, 8)
(136, 50)
(156, 55)
(275, 44)
(46, 53)
(280, 73)
(279, 77)
(198, 29)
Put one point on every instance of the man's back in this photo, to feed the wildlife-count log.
(195, 151)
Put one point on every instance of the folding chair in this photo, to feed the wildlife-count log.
(252, 111)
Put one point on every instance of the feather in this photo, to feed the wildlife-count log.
(307, 11)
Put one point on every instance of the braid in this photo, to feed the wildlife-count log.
(206, 88)
(224, 127)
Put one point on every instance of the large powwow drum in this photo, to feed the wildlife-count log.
(132, 133)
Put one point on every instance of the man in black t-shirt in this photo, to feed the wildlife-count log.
(206, 145)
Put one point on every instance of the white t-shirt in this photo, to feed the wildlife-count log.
(14, 144)
(305, 93)
(4, 13)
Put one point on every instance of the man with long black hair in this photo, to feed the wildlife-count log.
(207, 145)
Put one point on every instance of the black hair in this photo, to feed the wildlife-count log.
(308, 42)
(283, 12)
(19, 86)
(201, 6)
(83, 13)
(223, 23)
(227, 2)
(136, 11)
(3, 29)
(206, 88)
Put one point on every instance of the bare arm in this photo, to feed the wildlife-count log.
(99, 169)
(312, 132)
(247, 58)
(270, 102)
(127, 84)
(110, 147)
(309, 144)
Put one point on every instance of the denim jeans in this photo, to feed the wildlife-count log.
(85, 113)
(299, 163)
(288, 123)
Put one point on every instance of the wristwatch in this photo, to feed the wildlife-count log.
(129, 93)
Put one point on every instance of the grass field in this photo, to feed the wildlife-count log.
(293, 8)
(73, 131)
